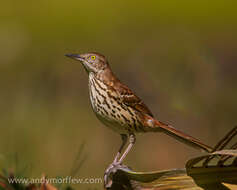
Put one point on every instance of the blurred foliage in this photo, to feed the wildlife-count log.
(179, 56)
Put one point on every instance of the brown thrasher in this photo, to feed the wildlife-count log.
(116, 106)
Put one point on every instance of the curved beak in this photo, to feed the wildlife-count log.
(75, 56)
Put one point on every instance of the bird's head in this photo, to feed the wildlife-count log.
(92, 62)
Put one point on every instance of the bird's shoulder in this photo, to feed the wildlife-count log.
(124, 94)
(129, 98)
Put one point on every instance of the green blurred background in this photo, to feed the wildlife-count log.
(178, 56)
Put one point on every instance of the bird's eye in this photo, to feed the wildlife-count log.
(93, 57)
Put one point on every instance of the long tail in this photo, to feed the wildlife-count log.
(180, 136)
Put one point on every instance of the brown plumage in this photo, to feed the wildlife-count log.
(124, 93)
(120, 109)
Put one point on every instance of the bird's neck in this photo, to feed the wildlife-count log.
(106, 76)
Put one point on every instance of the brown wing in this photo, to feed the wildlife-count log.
(131, 100)
(125, 95)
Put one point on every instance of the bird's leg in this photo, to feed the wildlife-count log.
(132, 140)
(124, 138)
(117, 163)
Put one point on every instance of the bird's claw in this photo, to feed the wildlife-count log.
(110, 170)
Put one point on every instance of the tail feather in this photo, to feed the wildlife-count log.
(182, 137)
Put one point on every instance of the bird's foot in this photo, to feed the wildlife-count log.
(114, 165)
(111, 170)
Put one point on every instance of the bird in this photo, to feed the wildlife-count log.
(120, 109)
